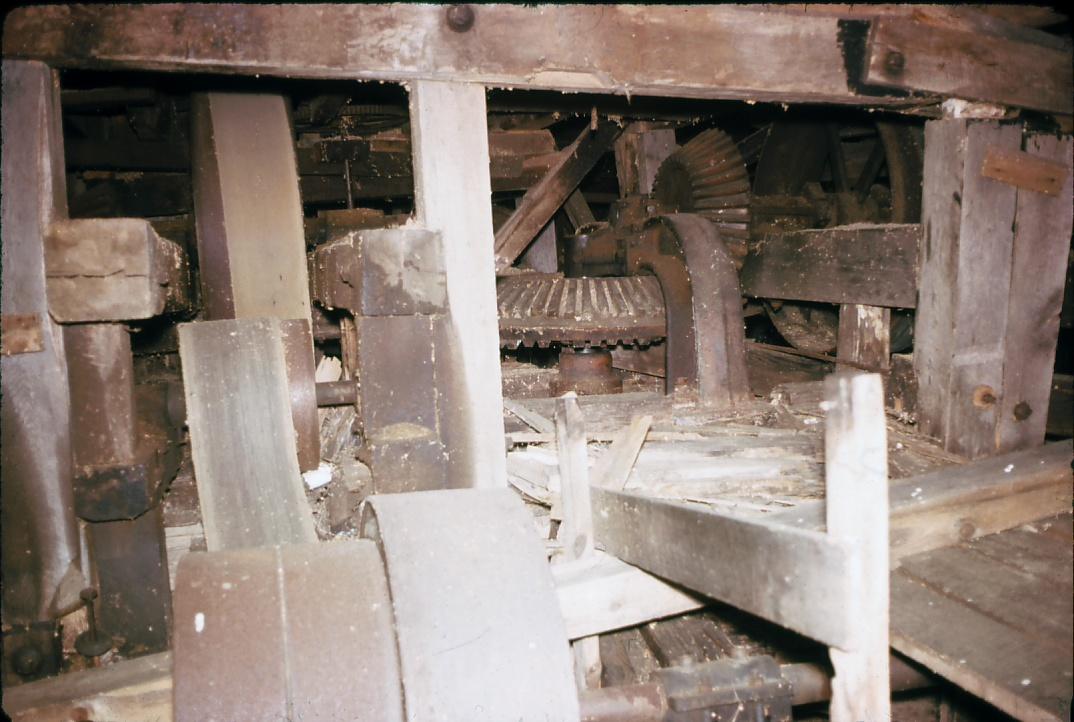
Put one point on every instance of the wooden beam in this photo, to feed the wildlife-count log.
(864, 336)
(786, 575)
(543, 200)
(966, 501)
(452, 196)
(686, 51)
(639, 151)
(964, 64)
(992, 275)
(863, 264)
(856, 473)
(1042, 233)
(613, 468)
(1025, 170)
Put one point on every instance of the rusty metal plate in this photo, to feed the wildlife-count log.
(480, 633)
(301, 632)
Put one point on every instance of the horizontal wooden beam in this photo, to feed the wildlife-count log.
(963, 502)
(963, 63)
(733, 52)
(770, 570)
(873, 265)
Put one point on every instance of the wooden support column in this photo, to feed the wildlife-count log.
(856, 471)
(864, 336)
(639, 151)
(453, 196)
(991, 285)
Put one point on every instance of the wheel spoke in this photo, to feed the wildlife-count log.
(871, 170)
(836, 160)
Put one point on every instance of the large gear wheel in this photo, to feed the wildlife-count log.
(708, 176)
(538, 309)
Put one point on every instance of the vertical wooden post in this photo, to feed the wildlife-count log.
(639, 151)
(1041, 244)
(40, 534)
(576, 530)
(856, 471)
(453, 195)
(991, 285)
(865, 335)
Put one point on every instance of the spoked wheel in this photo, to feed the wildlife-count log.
(846, 174)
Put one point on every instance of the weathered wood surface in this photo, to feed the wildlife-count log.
(714, 52)
(773, 571)
(991, 289)
(451, 160)
(864, 336)
(958, 503)
(964, 64)
(601, 593)
(241, 436)
(994, 617)
(856, 476)
(546, 197)
(866, 264)
(639, 151)
(1025, 170)
(20, 333)
(1041, 242)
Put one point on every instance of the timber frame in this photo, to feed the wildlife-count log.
(884, 57)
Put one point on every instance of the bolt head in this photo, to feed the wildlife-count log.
(460, 18)
(894, 62)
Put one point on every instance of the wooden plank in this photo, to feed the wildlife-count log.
(856, 475)
(956, 503)
(451, 161)
(1042, 233)
(956, 62)
(961, 327)
(543, 200)
(867, 264)
(241, 436)
(139, 688)
(864, 336)
(1025, 170)
(1006, 593)
(576, 530)
(999, 632)
(717, 52)
(600, 594)
(613, 467)
(531, 418)
(788, 576)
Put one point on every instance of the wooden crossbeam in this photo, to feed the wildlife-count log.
(679, 51)
(543, 200)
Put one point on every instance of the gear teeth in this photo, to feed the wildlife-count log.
(542, 309)
(708, 176)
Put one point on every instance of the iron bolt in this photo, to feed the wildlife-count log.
(894, 62)
(460, 18)
(1022, 411)
(91, 643)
